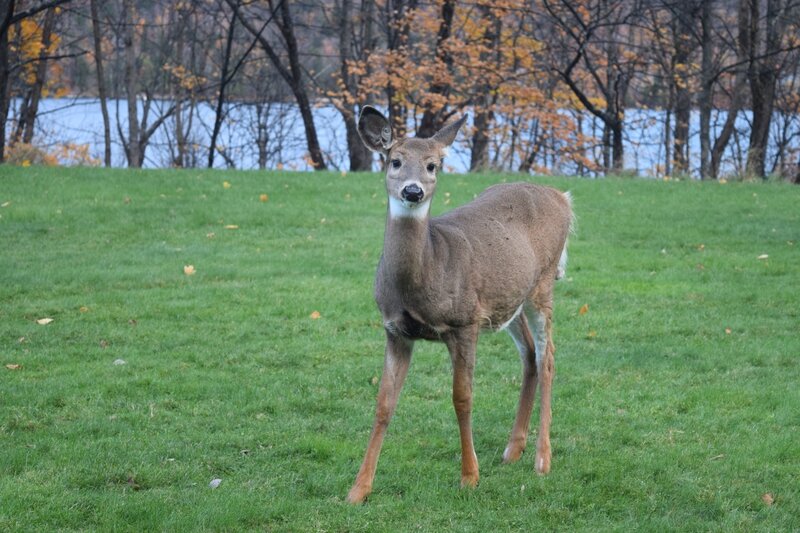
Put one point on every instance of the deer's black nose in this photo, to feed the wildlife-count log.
(412, 193)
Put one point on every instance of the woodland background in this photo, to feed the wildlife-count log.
(551, 85)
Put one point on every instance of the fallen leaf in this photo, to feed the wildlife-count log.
(728, 331)
(700, 266)
(763, 256)
(211, 235)
(215, 483)
(374, 380)
(264, 198)
(120, 362)
(5, 204)
(189, 270)
(701, 247)
(44, 321)
(21, 340)
(133, 484)
(84, 309)
(103, 343)
(768, 498)
(584, 309)
(13, 367)
(315, 315)
(226, 185)
(723, 181)
(126, 200)
(231, 226)
(716, 457)
(591, 335)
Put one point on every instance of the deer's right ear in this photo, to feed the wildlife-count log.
(375, 130)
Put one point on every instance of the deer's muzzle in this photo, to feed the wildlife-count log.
(412, 193)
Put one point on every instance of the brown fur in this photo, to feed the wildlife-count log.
(446, 278)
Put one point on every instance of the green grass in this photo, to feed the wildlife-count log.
(662, 420)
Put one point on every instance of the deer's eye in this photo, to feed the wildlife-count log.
(431, 167)
(396, 163)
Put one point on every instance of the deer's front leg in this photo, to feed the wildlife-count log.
(462, 352)
(395, 369)
(542, 334)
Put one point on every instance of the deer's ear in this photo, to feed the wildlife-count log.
(375, 130)
(447, 135)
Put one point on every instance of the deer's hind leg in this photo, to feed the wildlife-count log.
(519, 331)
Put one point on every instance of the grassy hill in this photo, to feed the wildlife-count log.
(676, 398)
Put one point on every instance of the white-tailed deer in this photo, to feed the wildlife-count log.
(490, 264)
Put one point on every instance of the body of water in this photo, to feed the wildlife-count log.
(283, 145)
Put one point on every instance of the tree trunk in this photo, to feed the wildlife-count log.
(484, 115)
(433, 118)
(6, 15)
(737, 91)
(219, 113)
(360, 155)
(706, 80)
(683, 100)
(133, 150)
(762, 73)
(298, 87)
(27, 120)
(101, 82)
(617, 150)
(293, 75)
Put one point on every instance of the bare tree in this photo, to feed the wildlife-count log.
(8, 17)
(360, 156)
(595, 39)
(434, 116)
(101, 81)
(31, 98)
(292, 73)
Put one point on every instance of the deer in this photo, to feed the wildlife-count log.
(488, 265)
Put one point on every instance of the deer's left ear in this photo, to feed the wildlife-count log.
(447, 135)
(374, 130)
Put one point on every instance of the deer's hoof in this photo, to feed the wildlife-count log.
(512, 453)
(469, 480)
(542, 464)
(358, 494)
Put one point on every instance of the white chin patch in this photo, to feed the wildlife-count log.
(402, 209)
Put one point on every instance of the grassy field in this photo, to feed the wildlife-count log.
(676, 397)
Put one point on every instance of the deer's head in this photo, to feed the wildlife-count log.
(412, 163)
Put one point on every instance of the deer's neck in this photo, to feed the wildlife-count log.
(407, 247)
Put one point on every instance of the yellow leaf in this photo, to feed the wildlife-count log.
(763, 256)
(768, 498)
(231, 226)
(189, 270)
(13, 367)
(84, 309)
(264, 198)
(591, 335)
(5, 204)
(315, 315)
(584, 309)
(211, 235)
(44, 321)
(728, 331)
(226, 185)
(26, 163)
